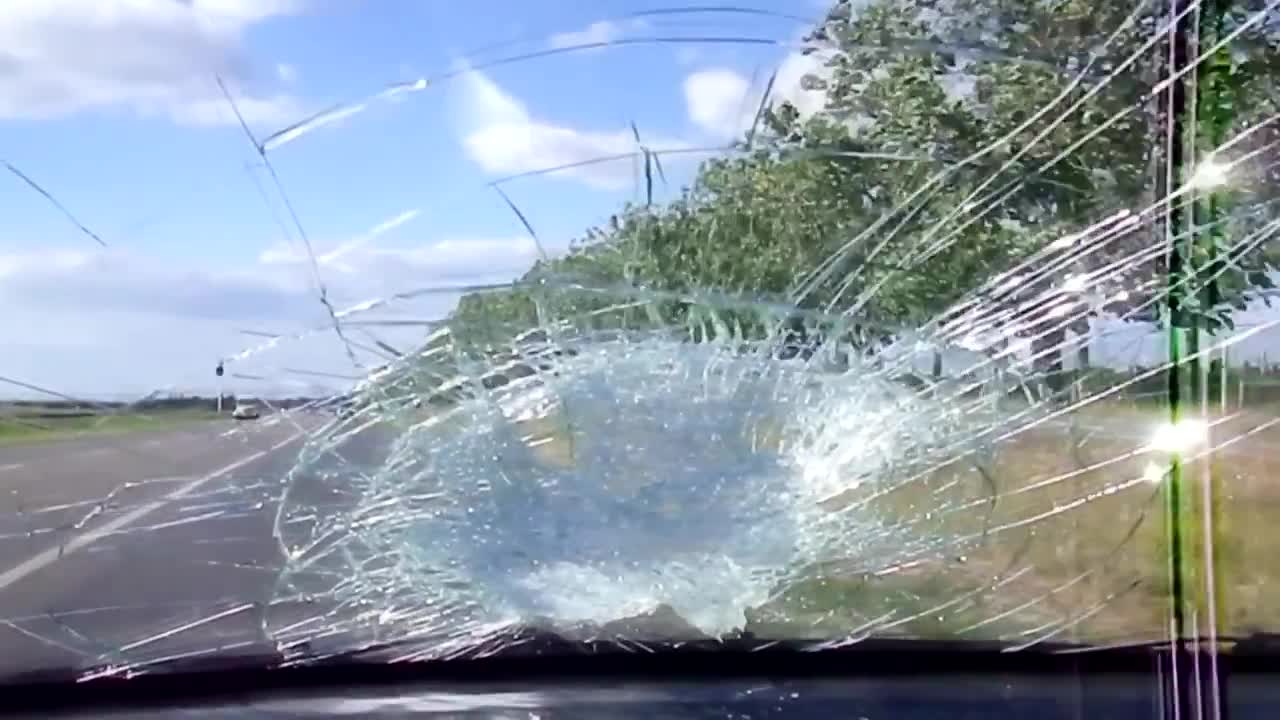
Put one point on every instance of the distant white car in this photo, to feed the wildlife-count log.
(245, 410)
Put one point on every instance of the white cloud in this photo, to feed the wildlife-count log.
(469, 257)
(719, 101)
(292, 254)
(357, 268)
(287, 73)
(597, 32)
(789, 84)
(151, 57)
(368, 270)
(112, 280)
(723, 102)
(503, 137)
(94, 321)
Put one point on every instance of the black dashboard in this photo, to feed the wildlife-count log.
(909, 681)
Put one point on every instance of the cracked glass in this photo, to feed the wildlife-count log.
(808, 322)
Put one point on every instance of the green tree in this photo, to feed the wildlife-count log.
(951, 148)
(1037, 127)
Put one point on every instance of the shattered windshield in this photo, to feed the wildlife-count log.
(410, 326)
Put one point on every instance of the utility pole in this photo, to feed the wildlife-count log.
(1198, 114)
(218, 371)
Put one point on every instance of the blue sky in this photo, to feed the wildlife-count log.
(113, 107)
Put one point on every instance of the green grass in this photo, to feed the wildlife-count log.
(1099, 568)
(33, 426)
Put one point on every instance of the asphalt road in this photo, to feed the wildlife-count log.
(141, 546)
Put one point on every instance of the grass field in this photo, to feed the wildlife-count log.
(1067, 537)
(29, 424)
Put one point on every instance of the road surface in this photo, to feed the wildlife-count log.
(143, 545)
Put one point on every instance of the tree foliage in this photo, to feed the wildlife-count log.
(953, 146)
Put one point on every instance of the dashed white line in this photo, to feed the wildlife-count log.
(10, 466)
(47, 557)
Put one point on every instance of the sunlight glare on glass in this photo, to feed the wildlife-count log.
(1209, 174)
(1074, 283)
(1153, 473)
(1179, 437)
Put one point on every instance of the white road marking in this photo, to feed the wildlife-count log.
(10, 466)
(48, 557)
